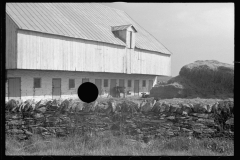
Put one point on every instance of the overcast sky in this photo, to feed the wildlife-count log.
(191, 31)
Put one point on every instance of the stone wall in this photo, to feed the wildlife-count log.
(139, 120)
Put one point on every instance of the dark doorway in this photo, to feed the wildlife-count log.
(98, 83)
(56, 88)
(121, 82)
(85, 80)
(113, 83)
(136, 87)
(14, 88)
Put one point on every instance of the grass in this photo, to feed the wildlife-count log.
(107, 144)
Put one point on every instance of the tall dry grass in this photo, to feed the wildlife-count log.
(106, 144)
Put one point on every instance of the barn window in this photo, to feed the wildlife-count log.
(71, 83)
(144, 83)
(129, 83)
(105, 83)
(37, 83)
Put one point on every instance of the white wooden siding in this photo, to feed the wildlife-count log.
(147, 62)
(130, 29)
(11, 40)
(50, 52)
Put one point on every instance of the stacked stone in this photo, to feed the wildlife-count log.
(148, 118)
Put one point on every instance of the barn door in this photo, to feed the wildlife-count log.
(56, 90)
(121, 82)
(14, 88)
(98, 83)
(150, 85)
(85, 80)
(113, 84)
(136, 87)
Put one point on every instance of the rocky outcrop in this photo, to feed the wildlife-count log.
(149, 118)
(205, 79)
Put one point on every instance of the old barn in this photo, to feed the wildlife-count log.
(52, 48)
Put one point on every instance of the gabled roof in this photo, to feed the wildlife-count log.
(90, 21)
(122, 27)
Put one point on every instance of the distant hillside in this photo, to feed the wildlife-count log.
(208, 79)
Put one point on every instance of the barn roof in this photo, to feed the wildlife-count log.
(90, 21)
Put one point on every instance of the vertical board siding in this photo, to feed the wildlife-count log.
(11, 43)
(147, 62)
(50, 52)
(14, 90)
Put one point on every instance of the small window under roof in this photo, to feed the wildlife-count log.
(122, 27)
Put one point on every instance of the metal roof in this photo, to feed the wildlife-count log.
(90, 21)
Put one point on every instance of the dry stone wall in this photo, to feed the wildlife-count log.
(139, 120)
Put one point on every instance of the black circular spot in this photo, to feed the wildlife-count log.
(87, 92)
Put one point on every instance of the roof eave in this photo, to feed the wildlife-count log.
(158, 52)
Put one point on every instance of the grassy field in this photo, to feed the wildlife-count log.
(107, 144)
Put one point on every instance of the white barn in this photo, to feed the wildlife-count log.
(51, 48)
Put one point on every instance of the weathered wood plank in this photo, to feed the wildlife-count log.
(50, 52)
